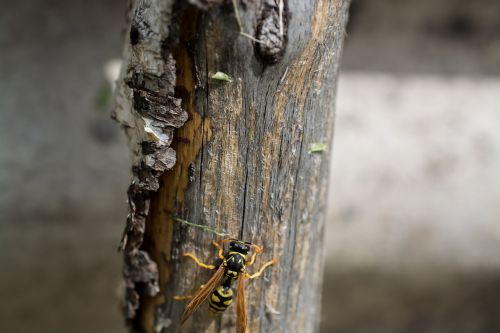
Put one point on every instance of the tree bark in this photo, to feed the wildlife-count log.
(232, 156)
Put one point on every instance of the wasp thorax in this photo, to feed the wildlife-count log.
(239, 247)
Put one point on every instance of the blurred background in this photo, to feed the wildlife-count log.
(413, 232)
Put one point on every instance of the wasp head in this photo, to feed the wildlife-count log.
(239, 246)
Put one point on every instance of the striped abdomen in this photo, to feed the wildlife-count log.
(220, 299)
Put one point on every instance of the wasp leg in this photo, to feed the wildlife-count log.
(252, 259)
(257, 250)
(259, 273)
(184, 297)
(225, 240)
(220, 248)
(197, 261)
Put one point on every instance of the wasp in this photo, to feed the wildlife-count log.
(232, 267)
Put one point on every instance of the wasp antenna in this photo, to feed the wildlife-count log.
(257, 248)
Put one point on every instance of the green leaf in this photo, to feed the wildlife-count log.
(318, 148)
(104, 98)
(222, 77)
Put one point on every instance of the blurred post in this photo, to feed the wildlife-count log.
(245, 156)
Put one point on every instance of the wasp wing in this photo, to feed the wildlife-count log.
(241, 311)
(202, 294)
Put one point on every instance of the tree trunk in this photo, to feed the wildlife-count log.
(231, 156)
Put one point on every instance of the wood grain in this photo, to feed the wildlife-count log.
(243, 164)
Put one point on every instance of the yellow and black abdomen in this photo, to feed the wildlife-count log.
(220, 299)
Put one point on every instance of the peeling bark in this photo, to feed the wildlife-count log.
(272, 30)
(149, 112)
(230, 156)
